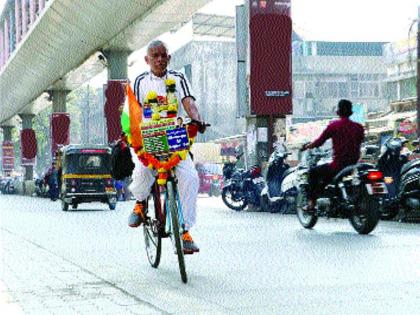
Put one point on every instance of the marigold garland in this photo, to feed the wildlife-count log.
(163, 167)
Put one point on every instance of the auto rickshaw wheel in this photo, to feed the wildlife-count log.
(64, 205)
(74, 206)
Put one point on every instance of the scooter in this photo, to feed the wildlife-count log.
(280, 192)
(409, 194)
(401, 177)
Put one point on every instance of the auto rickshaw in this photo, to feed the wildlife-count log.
(86, 175)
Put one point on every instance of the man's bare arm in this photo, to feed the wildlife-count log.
(191, 108)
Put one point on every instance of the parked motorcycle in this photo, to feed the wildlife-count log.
(7, 186)
(241, 187)
(40, 188)
(355, 193)
(279, 193)
(402, 179)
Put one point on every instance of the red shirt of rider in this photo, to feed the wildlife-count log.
(347, 137)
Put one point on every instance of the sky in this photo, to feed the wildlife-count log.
(344, 20)
(329, 20)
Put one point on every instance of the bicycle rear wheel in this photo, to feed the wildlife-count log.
(176, 232)
(152, 239)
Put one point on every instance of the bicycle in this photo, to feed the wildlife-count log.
(166, 219)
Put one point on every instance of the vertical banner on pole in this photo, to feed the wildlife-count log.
(270, 57)
(114, 99)
(28, 147)
(8, 162)
(60, 130)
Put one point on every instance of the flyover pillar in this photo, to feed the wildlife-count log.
(7, 132)
(8, 154)
(60, 120)
(114, 94)
(28, 145)
(59, 100)
(117, 64)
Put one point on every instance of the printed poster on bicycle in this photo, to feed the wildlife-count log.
(164, 136)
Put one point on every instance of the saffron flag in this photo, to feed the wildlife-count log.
(131, 118)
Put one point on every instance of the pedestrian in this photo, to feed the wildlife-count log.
(143, 178)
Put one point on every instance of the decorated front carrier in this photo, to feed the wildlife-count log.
(160, 141)
(163, 137)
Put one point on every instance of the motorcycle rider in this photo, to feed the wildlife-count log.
(347, 137)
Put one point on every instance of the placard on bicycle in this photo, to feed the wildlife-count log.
(163, 137)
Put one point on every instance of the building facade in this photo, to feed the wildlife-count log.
(324, 72)
(400, 59)
(211, 68)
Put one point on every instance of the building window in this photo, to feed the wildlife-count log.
(354, 89)
(299, 89)
(343, 89)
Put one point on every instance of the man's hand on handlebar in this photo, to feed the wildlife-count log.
(202, 126)
(304, 147)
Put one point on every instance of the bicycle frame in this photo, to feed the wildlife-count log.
(161, 213)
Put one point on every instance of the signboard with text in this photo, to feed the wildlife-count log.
(164, 136)
(8, 162)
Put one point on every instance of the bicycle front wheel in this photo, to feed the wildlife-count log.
(153, 244)
(176, 232)
(152, 238)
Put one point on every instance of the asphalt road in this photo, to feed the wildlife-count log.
(89, 261)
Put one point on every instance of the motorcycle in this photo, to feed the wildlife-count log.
(7, 186)
(40, 188)
(279, 193)
(354, 193)
(241, 187)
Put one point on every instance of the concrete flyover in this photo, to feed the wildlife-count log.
(61, 48)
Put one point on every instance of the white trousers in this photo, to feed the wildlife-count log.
(143, 179)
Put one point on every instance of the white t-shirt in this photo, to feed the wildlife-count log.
(147, 82)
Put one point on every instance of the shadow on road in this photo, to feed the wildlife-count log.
(337, 238)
